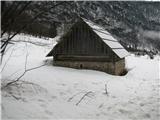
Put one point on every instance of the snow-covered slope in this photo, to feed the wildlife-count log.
(50, 92)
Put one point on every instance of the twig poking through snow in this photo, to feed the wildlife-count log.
(106, 90)
(86, 94)
(74, 96)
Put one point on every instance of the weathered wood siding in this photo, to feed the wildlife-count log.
(82, 41)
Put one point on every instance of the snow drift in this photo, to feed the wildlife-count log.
(50, 92)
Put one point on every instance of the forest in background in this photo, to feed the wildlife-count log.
(135, 24)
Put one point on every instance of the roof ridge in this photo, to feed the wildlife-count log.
(95, 24)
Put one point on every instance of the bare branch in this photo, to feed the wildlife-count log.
(35, 43)
(35, 67)
(26, 58)
(74, 96)
(7, 60)
(10, 83)
(4, 45)
(86, 94)
(25, 71)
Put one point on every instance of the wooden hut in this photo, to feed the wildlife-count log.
(89, 46)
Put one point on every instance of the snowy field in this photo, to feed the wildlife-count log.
(50, 92)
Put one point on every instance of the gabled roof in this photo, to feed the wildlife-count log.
(117, 48)
(107, 38)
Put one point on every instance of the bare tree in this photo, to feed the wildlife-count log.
(10, 16)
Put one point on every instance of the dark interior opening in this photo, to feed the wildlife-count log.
(81, 66)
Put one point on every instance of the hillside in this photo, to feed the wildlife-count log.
(50, 92)
(134, 24)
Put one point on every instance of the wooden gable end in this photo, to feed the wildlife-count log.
(82, 41)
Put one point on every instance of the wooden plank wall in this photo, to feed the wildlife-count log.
(81, 40)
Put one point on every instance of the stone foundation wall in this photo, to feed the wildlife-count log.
(119, 66)
(109, 67)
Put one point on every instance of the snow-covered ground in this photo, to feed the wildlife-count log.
(50, 92)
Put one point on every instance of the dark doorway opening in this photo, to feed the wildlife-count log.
(81, 66)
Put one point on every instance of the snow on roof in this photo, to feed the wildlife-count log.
(108, 39)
